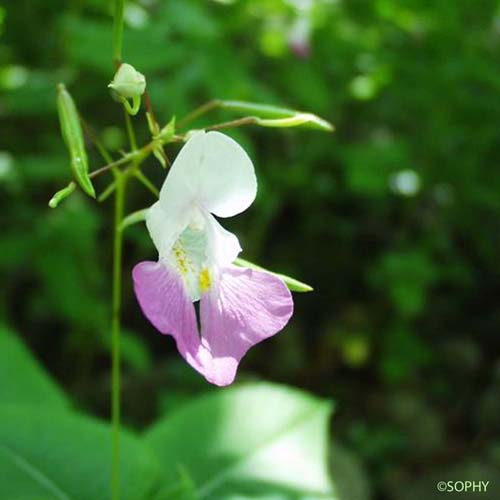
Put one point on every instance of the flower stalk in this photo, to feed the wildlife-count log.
(120, 183)
(118, 32)
(121, 180)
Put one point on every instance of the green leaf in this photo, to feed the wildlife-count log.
(22, 379)
(274, 116)
(62, 456)
(73, 137)
(349, 476)
(292, 284)
(258, 440)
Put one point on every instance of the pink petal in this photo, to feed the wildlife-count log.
(164, 301)
(242, 309)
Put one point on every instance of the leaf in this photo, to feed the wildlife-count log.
(259, 440)
(350, 478)
(63, 456)
(292, 284)
(73, 138)
(22, 379)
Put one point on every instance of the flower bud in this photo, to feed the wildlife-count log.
(128, 82)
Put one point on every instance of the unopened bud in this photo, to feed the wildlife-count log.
(128, 82)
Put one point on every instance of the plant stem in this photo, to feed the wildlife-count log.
(95, 141)
(120, 185)
(247, 120)
(121, 180)
(118, 32)
(136, 156)
(130, 157)
(146, 182)
(107, 192)
(204, 108)
(130, 132)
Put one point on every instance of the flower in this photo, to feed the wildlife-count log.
(239, 307)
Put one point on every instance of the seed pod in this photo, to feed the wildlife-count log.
(73, 138)
(292, 284)
(274, 116)
(61, 195)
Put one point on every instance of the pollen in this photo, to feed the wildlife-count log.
(205, 280)
(181, 258)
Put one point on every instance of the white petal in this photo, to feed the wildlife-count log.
(223, 246)
(213, 171)
(165, 227)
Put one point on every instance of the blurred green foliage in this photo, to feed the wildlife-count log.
(255, 441)
(394, 219)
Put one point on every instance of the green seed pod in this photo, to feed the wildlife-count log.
(274, 116)
(62, 194)
(292, 284)
(73, 138)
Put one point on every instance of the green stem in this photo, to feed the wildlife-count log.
(135, 156)
(247, 120)
(204, 108)
(120, 185)
(130, 132)
(115, 335)
(146, 182)
(96, 141)
(107, 192)
(118, 32)
(121, 180)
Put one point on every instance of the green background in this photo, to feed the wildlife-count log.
(393, 219)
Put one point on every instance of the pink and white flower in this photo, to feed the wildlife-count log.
(239, 307)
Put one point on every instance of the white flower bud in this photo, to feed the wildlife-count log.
(128, 82)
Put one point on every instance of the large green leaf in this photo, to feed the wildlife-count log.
(348, 474)
(22, 379)
(254, 441)
(60, 455)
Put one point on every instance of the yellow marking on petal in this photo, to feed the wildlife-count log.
(205, 280)
(180, 257)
